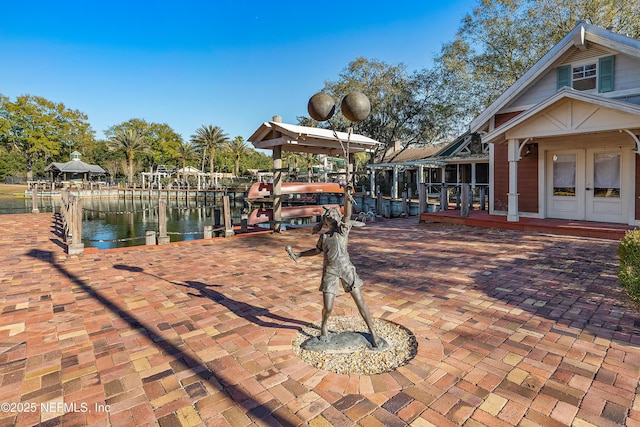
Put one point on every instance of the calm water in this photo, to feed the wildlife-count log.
(16, 205)
(112, 223)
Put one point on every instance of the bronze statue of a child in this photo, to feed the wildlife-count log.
(337, 268)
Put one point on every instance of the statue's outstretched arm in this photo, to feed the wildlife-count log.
(295, 255)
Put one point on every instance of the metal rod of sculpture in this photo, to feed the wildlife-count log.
(355, 107)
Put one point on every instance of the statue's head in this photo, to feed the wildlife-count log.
(331, 215)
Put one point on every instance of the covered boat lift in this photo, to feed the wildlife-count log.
(279, 137)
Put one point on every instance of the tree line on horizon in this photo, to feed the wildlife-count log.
(495, 44)
(35, 131)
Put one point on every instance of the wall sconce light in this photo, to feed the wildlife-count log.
(529, 151)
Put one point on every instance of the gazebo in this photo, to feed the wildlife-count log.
(74, 170)
(279, 137)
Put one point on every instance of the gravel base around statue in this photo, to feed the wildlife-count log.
(343, 342)
(358, 356)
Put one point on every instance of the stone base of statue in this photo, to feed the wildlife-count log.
(347, 348)
(343, 342)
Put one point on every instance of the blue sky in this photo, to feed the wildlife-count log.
(232, 64)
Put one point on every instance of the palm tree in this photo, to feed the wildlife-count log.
(293, 160)
(311, 160)
(238, 148)
(130, 142)
(186, 152)
(207, 138)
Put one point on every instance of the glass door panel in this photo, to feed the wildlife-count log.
(606, 175)
(564, 175)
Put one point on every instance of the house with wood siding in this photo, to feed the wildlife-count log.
(564, 139)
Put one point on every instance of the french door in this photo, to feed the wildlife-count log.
(586, 184)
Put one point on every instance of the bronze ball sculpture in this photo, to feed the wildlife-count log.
(355, 106)
(321, 107)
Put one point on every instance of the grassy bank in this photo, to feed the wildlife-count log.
(12, 189)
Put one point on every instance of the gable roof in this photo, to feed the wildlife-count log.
(189, 170)
(598, 104)
(409, 154)
(577, 37)
(452, 147)
(75, 166)
(308, 139)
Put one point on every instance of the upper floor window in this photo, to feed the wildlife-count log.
(584, 77)
(590, 76)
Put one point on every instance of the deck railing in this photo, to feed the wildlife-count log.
(71, 213)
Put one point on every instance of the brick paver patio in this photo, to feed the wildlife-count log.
(513, 328)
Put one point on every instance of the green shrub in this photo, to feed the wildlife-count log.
(629, 272)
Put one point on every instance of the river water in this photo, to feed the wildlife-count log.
(120, 222)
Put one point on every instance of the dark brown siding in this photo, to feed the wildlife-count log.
(527, 180)
(500, 177)
(528, 183)
(500, 119)
(637, 185)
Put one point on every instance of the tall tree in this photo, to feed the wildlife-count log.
(163, 142)
(208, 138)
(187, 152)
(404, 107)
(130, 142)
(238, 149)
(501, 39)
(553, 19)
(41, 130)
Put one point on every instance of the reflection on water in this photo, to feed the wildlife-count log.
(111, 223)
(114, 223)
(18, 205)
(121, 222)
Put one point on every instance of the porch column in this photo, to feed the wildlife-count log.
(513, 157)
(277, 189)
(422, 190)
(473, 175)
(394, 188)
(372, 181)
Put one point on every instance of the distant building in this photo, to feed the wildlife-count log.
(74, 170)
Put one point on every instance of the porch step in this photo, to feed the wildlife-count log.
(600, 230)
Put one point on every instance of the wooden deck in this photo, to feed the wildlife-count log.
(477, 218)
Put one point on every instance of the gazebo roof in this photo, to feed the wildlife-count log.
(75, 166)
(308, 139)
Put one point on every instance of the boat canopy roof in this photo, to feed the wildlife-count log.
(309, 139)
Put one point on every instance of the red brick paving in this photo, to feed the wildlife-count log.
(513, 327)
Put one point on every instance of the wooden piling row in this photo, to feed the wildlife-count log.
(71, 212)
(224, 224)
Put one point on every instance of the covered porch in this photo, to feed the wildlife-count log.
(573, 156)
